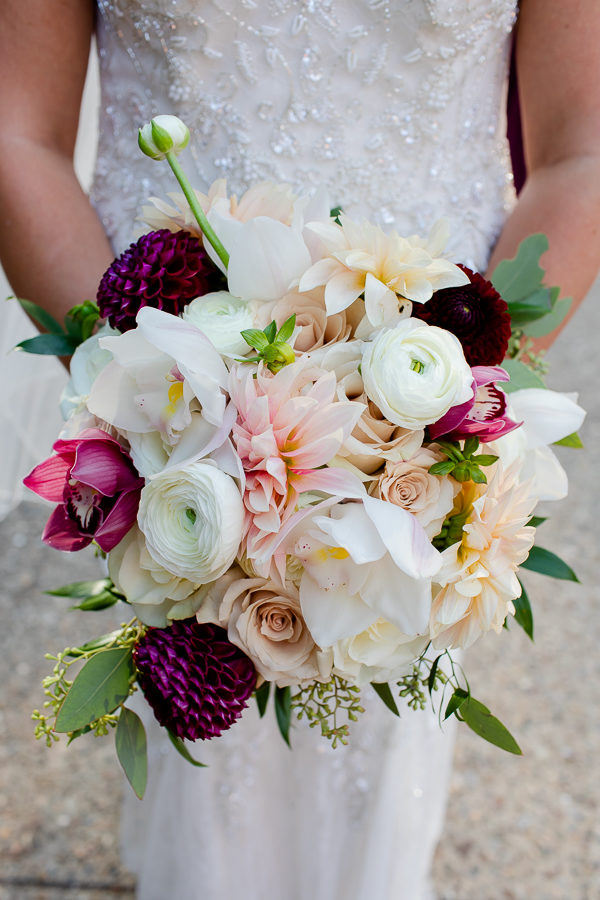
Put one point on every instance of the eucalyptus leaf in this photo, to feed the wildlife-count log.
(95, 644)
(455, 702)
(523, 612)
(283, 711)
(482, 722)
(79, 590)
(547, 563)
(179, 745)
(383, 690)
(97, 602)
(40, 316)
(571, 440)
(132, 750)
(517, 278)
(98, 689)
(261, 695)
(521, 376)
(536, 521)
(545, 325)
(48, 345)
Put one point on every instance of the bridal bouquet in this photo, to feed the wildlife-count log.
(310, 452)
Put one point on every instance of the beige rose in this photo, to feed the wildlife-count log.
(409, 484)
(317, 329)
(266, 622)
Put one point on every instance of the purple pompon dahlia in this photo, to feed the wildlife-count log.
(476, 314)
(196, 681)
(162, 269)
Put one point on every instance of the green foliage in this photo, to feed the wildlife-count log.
(335, 214)
(283, 711)
(79, 324)
(451, 530)
(482, 722)
(518, 278)
(261, 695)
(547, 563)
(571, 440)
(92, 595)
(521, 376)
(324, 705)
(384, 691)
(271, 345)
(463, 465)
(179, 745)
(131, 747)
(99, 688)
(523, 612)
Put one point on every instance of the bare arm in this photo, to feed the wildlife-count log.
(558, 61)
(52, 245)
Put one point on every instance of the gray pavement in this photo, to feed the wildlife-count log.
(516, 828)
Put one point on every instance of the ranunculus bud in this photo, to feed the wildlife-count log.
(162, 135)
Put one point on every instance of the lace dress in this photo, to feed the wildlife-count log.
(394, 107)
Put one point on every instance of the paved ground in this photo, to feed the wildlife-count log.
(516, 828)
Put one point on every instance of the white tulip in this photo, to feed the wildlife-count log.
(415, 373)
(192, 521)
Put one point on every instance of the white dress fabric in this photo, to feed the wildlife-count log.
(395, 108)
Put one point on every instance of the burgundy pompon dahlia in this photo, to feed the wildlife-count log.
(476, 314)
(162, 269)
(196, 681)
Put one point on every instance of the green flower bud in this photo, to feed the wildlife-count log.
(164, 134)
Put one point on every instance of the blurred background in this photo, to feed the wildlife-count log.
(517, 828)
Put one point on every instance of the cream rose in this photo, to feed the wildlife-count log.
(380, 653)
(266, 622)
(315, 328)
(409, 484)
(221, 317)
(192, 520)
(415, 373)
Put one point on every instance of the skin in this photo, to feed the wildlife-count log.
(42, 207)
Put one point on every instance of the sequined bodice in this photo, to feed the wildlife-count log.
(395, 107)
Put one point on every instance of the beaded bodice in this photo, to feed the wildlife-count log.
(394, 107)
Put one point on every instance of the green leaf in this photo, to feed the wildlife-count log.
(183, 750)
(283, 711)
(254, 338)
(40, 316)
(383, 690)
(478, 476)
(547, 563)
(536, 521)
(482, 722)
(270, 331)
(432, 673)
(471, 445)
(79, 590)
(571, 440)
(523, 612)
(485, 459)
(532, 308)
(442, 468)
(335, 213)
(97, 602)
(96, 644)
(548, 323)
(521, 376)
(287, 329)
(261, 695)
(455, 702)
(130, 743)
(48, 345)
(517, 278)
(98, 689)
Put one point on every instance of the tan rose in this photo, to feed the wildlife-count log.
(409, 484)
(265, 621)
(317, 329)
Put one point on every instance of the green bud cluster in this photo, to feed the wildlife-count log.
(451, 531)
(463, 465)
(271, 345)
(322, 705)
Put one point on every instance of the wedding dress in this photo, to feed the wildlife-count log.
(394, 108)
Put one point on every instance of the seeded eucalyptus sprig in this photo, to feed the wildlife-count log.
(271, 345)
(463, 465)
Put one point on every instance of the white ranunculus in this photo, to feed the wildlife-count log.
(415, 373)
(192, 520)
(161, 135)
(221, 317)
(380, 653)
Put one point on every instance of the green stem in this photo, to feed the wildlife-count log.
(199, 214)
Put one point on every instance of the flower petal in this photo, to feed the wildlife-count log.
(266, 257)
(118, 522)
(332, 614)
(404, 537)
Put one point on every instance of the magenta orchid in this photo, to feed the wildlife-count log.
(96, 486)
(484, 416)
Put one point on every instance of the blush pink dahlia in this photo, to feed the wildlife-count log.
(162, 269)
(96, 486)
(196, 681)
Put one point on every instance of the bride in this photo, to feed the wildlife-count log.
(395, 109)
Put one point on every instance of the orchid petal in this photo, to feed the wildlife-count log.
(62, 533)
(398, 598)
(48, 479)
(331, 615)
(404, 537)
(548, 416)
(118, 522)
